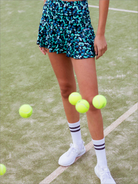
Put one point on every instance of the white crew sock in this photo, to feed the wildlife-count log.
(99, 146)
(75, 131)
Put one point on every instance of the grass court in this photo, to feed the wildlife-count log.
(30, 148)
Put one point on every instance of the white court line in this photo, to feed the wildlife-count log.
(115, 9)
(109, 129)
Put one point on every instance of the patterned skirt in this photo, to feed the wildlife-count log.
(65, 27)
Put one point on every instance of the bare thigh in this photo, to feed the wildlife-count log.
(63, 69)
(85, 70)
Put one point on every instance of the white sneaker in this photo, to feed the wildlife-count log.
(70, 156)
(104, 175)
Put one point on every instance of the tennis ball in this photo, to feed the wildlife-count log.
(74, 98)
(2, 169)
(99, 101)
(82, 106)
(25, 111)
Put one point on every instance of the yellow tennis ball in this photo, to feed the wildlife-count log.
(25, 111)
(82, 106)
(99, 101)
(2, 169)
(74, 98)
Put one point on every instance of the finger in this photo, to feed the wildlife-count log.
(45, 50)
(96, 50)
(104, 50)
(99, 54)
(42, 50)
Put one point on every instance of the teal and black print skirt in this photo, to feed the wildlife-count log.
(65, 27)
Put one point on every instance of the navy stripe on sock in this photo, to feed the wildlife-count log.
(74, 127)
(75, 130)
(99, 145)
(99, 148)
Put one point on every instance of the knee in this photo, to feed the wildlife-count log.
(92, 108)
(66, 89)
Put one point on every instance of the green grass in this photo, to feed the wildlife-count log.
(123, 4)
(30, 148)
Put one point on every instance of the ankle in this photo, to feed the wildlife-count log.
(75, 131)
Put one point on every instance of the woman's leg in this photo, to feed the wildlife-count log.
(85, 70)
(87, 79)
(63, 69)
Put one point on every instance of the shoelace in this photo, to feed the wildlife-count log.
(105, 173)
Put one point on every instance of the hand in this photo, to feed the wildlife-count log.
(100, 45)
(43, 50)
